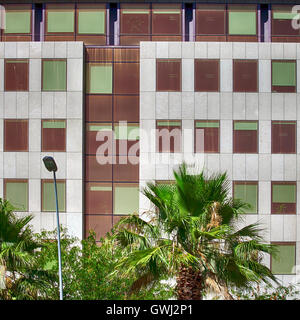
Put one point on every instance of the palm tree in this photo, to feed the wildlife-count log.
(19, 276)
(192, 235)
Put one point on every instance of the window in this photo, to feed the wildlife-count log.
(285, 260)
(98, 107)
(284, 198)
(245, 76)
(207, 135)
(284, 136)
(245, 137)
(48, 196)
(16, 192)
(91, 19)
(168, 75)
(53, 135)
(134, 23)
(127, 139)
(207, 75)
(283, 76)
(246, 191)
(60, 18)
(126, 198)
(98, 198)
(282, 17)
(126, 78)
(16, 75)
(242, 20)
(54, 75)
(15, 135)
(104, 140)
(17, 19)
(210, 21)
(168, 136)
(166, 22)
(99, 78)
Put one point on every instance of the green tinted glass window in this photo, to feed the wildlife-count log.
(243, 125)
(99, 78)
(284, 193)
(283, 73)
(126, 200)
(54, 75)
(49, 203)
(129, 132)
(92, 22)
(284, 262)
(17, 193)
(17, 22)
(242, 23)
(60, 21)
(247, 193)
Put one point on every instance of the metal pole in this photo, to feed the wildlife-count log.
(58, 242)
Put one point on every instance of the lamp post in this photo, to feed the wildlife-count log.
(50, 165)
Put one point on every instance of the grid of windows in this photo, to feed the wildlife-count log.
(112, 137)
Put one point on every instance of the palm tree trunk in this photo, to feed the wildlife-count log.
(189, 284)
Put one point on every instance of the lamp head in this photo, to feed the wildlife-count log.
(50, 164)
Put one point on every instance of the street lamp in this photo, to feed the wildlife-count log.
(51, 166)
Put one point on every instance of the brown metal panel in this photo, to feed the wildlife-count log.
(126, 55)
(286, 39)
(245, 141)
(98, 107)
(98, 54)
(126, 108)
(166, 38)
(16, 75)
(211, 139)
(210, 19)
(283, 27)
(283, 208)
(211, 38)
(14, 38)
(283, 89)
(126, 78)
(133, 40)
(245, 76)
(168, 75)
(15, 135)
(95, 171)
(53, 139)
(98, 198)
(125, 169)
(97, 40)
(207, 75)
(284, 137)
(60, 37)
(99, 224)
(242, 38)
(131, 150)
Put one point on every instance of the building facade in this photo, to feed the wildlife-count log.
(100, 86)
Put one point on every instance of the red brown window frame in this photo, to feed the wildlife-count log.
(90, 39)
(42, 192)
(195, 74)
(284, 89)
(18, 36)
(5, 73)
(195, 135)
(295, 138)
(211, 37)
(58, 36)
(42, 76)
(234, 66)
(293, 205)
(6, 180)
(248, 182)
(6, 149)
(180, 75)
(284, 243)
(257, 140)
(65, 129)
(241, 38)
(157, 140)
